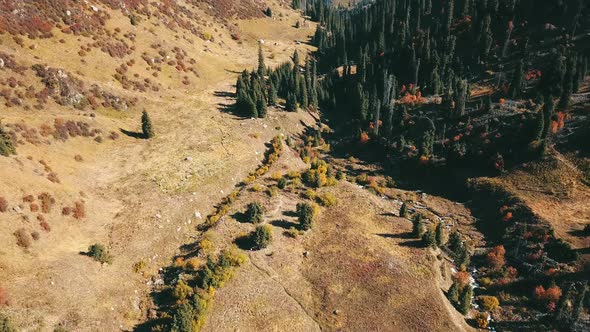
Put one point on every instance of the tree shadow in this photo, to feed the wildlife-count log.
(134, 134)
(224, 94)
(388, 214)
(404, 236)
(412, 244)
(233, 71)
(290, 214)
(282, 223)
(244, 242)
(578, 233)
(240, 217)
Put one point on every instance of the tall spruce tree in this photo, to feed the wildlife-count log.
(146, 125)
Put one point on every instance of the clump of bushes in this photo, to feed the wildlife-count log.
(99, 253)
(320, 174)
(255, 213)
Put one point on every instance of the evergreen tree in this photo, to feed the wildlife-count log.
(429, 239)
(6, 146)
(440, 235)
(453, 293)
(418, 226)
(291, 102)
(579, 305)
(262, 236)
(403, 211)
(455, 242)
(146, 125)
(272, 95)
(305, 215)
(261, 65)
(548, 110)
(296, 60)
(517, 81)
(466, 296)
(261, 108)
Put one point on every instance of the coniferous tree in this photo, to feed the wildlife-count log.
(6, 146)
(466, 296)
(548, 110)
(146, 125)
(261, 108)
(272, 95)
(517, 81)
(291, 102)
(418, 226)
(453, 293)
(261, 65)
(403, 211)
(440, 235)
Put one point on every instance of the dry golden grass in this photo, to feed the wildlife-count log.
(142, 198)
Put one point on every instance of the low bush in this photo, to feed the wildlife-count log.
(6, 325)
(139, 266)
(488, 303)
(181, 291)
(327, 199)
(3, 204)
(99, 253)
(23, 238)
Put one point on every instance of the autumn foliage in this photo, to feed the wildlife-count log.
(496, 258)
(548, 296)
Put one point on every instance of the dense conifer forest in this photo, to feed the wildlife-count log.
(485, 83)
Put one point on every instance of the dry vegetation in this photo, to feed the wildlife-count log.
(73, 87)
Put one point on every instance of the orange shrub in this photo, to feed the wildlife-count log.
(496, 257)
(364, 138)
(551, 294)
(462, 278)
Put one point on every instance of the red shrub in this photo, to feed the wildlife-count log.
(3, 204)
(45, 226)
(34, 207)
(79, 210)
(551, 294)
(47, 202)
(496, 257)
(4, 300)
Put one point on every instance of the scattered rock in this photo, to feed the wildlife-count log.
(188, 159)
(198, 215)
(306, 254)
(336, 312)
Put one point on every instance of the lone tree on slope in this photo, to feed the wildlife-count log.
(146, 125)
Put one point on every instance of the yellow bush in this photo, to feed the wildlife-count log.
(327, 199)
(193, 264)
(257, 188)
(139, 266)
(276, 176)
(489, 303)
(310, 194)
(294, 175)
(249, 179)
(482, 320)
(181, 291)
(272, 191)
